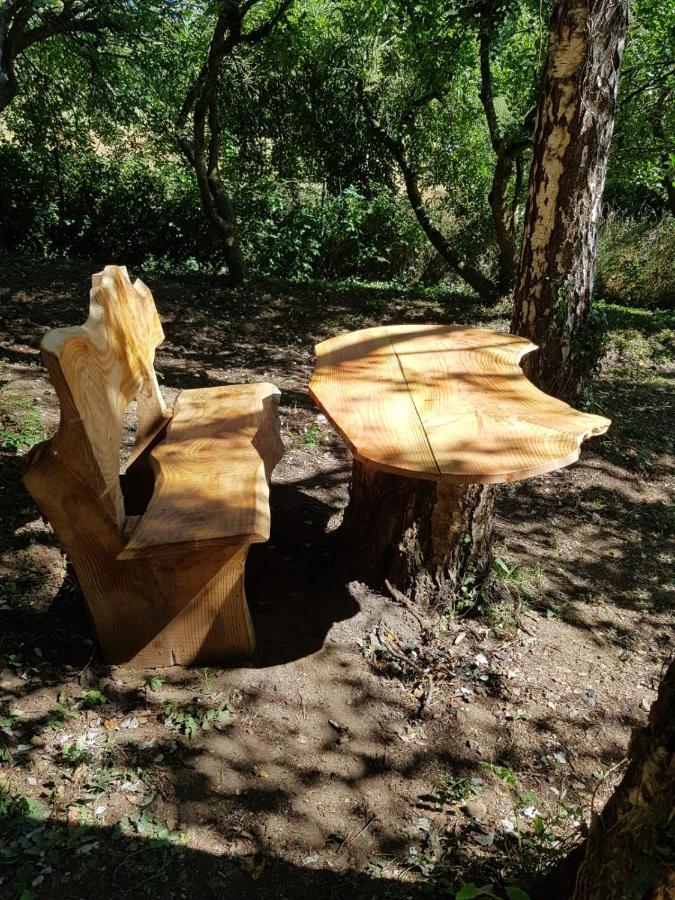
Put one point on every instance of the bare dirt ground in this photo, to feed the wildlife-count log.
(357, 755)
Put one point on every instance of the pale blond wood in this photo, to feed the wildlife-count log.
(165, 587)
(357, 381)
(184, 608)
(460, 389)
(210, 481)
(102, 366)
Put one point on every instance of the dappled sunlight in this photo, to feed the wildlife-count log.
(334, 771)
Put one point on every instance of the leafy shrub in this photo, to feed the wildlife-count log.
(636, 262)
(123, 208)
(300, 231)
(120, 208)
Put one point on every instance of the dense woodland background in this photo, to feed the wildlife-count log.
(324, 109)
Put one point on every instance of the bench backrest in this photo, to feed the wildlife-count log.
(98, 369)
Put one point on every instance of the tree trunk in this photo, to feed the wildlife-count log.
(473, 276)
(7, 91)
(572, 137)
(429, 539)
(630, 850)
(506, 154)
(12, 20)
(202, 101)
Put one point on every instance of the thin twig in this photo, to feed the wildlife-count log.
(79, 675)
(400, 656)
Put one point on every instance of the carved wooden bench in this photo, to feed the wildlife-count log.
(160, 552)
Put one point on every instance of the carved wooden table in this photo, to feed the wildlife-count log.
(432, 414)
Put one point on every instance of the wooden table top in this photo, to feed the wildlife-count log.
(440, 402)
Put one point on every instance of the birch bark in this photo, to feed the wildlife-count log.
(573, 133)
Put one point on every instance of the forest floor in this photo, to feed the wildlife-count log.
(328, 772)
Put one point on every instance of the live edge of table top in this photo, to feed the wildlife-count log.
(439, 402)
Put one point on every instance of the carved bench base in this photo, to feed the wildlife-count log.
(175, 608)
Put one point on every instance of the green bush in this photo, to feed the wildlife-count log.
(636, 262)
(300, 231)
(112, 207)
(124, 208)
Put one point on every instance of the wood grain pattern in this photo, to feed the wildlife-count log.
(165, 587)
(210, 478)
(97, 369)
(459, 391)
(357, 382)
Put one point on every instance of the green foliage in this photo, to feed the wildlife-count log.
(91, 699)
(34, 844)
(642, 150)
(451, 788)
(90, 164)
(636, 262)
(65, 709)
(505, 775)
(6, 734)
(20, 422)
(470, 891)
(189, 718)
(119, 206)
(76, 754)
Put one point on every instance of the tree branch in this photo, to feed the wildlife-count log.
(396, 146)
(486, 91)
(255, 36)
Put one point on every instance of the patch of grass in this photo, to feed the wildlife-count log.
(542, 837)
(501, 617)
(636, 261)
(639, 353)
(517, 575)
(310, 435)
(20, 422)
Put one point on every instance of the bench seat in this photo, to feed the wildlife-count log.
(211, 472)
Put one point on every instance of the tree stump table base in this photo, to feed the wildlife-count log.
(427, 538)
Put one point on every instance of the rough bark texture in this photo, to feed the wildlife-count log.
(427, 538)
(630, 850)
(574, 128)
